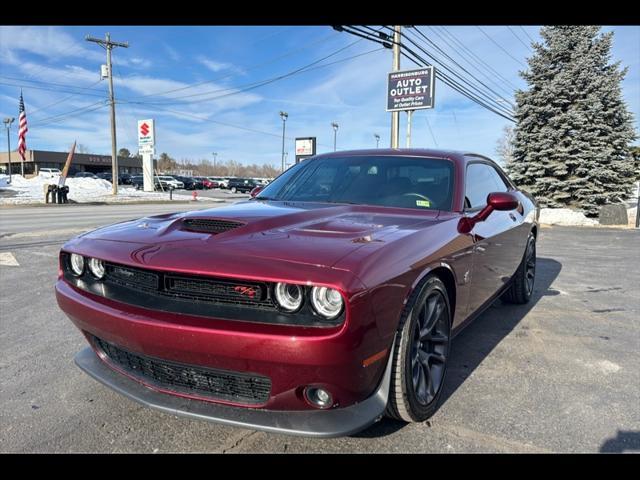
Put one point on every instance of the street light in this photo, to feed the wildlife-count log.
(283, 116)
(377, 137)
(215, 155)
(7, 123)
(335, 134)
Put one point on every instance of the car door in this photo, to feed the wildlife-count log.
(495, 252)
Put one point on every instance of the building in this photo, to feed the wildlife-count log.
(82, 162)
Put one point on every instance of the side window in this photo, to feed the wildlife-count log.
(482, 179)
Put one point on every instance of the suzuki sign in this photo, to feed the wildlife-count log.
(146, 133)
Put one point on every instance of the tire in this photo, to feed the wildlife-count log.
(233, 190)
(411, 399)
(523, 280)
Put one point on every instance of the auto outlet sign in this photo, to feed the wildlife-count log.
(410, 90)
(146, 133)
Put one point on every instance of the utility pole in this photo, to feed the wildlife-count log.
(377, 137)
(409, 115)
(7, 123)
(283, 116)
(395, 116)
(108, 45)
(335, 134)
(215, 155)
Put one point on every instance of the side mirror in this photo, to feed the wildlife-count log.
(256, 191)
(500, 201)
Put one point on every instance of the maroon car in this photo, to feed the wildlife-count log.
(323, 303)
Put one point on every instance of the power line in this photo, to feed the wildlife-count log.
(517, 37)
(253, 86)
(65, 85)
(460, 66)
(471, 91)
(467, 50)
(260, 65)
(500, 46)
(76, 111)
(527, 34)
(60, 101)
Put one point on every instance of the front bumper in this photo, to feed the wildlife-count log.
(313, 423)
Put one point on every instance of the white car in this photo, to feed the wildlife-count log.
(49, 172)
(167, 181)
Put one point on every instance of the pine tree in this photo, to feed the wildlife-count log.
(573, 128)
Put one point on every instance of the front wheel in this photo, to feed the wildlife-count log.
(233, 190)
(522, 282)
(421, 353)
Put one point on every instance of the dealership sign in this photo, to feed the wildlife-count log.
(410, 89)
(305, 147)
(146, 133)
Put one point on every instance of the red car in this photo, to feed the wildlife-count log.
(323, 303)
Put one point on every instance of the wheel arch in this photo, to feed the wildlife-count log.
(446, 274)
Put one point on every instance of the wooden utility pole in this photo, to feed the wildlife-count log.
(108, 45)
(395, 116)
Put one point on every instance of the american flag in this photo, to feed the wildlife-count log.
(22, 130)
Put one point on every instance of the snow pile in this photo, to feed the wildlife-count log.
(82, 190)
(565, 216)
(4, 180)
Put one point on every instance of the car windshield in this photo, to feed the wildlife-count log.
(404, 182)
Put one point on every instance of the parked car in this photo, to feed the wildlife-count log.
(49, 172)
(222, 182)
(167, 181)
(85, 175)
(123, 178)
(325, 302)
(137, 181)
(190, 183)
(207, 183)
(242, 185)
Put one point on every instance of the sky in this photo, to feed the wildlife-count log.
(203, 86)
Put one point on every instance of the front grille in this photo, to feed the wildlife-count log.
(207, 225)
(187, 287)
(189, 379)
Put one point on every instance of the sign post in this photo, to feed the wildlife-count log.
(146, 148)
(410, 90)
(305, 148)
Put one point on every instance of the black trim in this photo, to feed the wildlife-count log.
(153, 290)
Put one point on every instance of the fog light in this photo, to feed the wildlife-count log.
(318, 397)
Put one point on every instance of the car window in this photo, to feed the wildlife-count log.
(481, 180)
(404, 182)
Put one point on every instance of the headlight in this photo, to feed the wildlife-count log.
(97, 267)
(326, 301)
(77, 264)
(288, 296)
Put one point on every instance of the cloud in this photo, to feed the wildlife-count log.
(213, 65)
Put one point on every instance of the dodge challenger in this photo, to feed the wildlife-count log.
(323, 303)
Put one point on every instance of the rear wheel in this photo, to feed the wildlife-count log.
(233, 190)
(421, 353)
(521, 287)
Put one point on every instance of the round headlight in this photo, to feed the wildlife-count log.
(326, 301)
(77, 264)
(288, 296)
(97, 267)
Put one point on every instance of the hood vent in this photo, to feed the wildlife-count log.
(207, 225)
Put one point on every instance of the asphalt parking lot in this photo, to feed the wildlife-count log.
(561, 374)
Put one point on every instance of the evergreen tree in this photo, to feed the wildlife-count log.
(573, 127)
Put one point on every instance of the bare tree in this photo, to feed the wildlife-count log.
(504, 146)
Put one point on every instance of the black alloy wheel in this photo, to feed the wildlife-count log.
(421, 352)
(521, 288)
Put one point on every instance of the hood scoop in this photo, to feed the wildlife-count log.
(209, 225)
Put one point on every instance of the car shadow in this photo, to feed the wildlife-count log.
(472, 345)
(625, 441)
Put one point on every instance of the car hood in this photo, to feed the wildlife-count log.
(300, 233)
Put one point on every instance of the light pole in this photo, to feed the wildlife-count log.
(215, 155)
(335, 134)
(283, 116)
(377, 137)
(7, 123)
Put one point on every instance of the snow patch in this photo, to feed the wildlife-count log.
(81, 190)
(565, 216)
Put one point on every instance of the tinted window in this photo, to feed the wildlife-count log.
(482, 179)
(406, 182)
